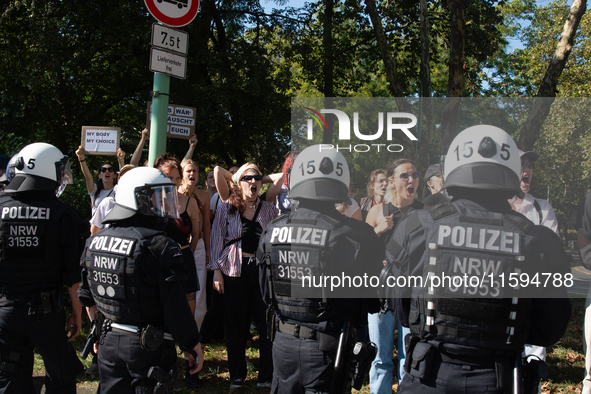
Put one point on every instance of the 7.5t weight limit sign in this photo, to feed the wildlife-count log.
(170, 39)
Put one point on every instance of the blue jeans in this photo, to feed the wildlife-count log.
(381, 332)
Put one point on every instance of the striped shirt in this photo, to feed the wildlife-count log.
(227, 227)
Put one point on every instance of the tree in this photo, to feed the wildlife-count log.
(532, 126)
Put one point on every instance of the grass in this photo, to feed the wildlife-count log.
(566, 361)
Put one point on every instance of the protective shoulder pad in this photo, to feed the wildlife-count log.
(158, 247)
(441, 210)
(332, 222)
(280, 218)
(523, 223)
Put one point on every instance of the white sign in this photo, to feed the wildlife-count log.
(181, 120)
(168, 63)
(98, 140)
(171, 39)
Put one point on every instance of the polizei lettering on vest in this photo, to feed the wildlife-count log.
(112, 244)
(106, 262)
(479, 238)
(25, 213)
(299, 235)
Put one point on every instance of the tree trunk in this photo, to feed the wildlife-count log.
(541, 108)
(389, 64)
(455, 84)
(327, 68)
(427, 128)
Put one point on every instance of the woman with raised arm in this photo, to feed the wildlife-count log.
(106, 180)
(190, 172)
(237, 227)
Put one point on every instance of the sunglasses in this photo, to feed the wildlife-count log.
(251, 177)
(105, 169)
(526, 164)
(404, 176)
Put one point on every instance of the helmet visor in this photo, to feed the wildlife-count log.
(64, 175)
(10, 170)
(158, 200)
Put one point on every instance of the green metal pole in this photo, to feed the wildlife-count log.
(159, 117)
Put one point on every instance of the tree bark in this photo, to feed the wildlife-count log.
(455, 84)
(427, 107)
(541, 107)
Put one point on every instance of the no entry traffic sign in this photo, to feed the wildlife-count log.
(173, 12)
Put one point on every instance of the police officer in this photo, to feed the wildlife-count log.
(313, 241)
(473, 344)
(133, 274)
(42, 239)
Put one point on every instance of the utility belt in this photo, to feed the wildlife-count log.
(423, 354)
(151, 337)
(326, 341)
(39, 302)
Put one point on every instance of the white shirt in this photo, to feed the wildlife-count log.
(101, 211)
(353, 207)
(103, 193)
(528, 209)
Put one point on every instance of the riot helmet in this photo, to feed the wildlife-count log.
(320, 173)
(147, 191)
(483, 157)
(39, 166)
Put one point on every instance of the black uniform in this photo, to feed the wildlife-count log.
(134, 274)
(313, 240)
(470, 344)
(40, 246)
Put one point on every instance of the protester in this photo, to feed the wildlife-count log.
(284, 203)
(107, 179)
(105, 206)
(185, 229)
(538, 210)
(377, 186)
(210, 184)
(399, 201)
(137, 153)
(434, 183)
(350, 209)
(235, 234)
(223, 178)
(215, 199)
(188, 188)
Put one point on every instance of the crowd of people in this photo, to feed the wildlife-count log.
(209, 241)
